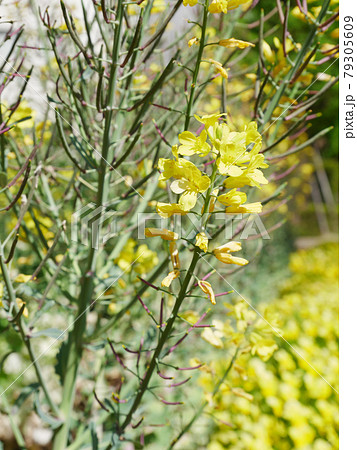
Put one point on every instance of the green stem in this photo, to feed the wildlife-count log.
(15, 429)
(12, 298)
(197, 66)
(165, 335)
(75, 338)
(170, 323)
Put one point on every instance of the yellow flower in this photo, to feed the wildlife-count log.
(1, 294)
(268, 52)
(202, 241)
(158, 6)
(145, 259)
(232, 151)
(207, 289)
(218, 6)
(166, 282)
(22, 278)
(166, 210)
(20, 303)
(232, 197)
(247, 208)
(142, 260)
(191, 144)
(229, 247)
(189, 182)
(127, 255)
(235, 43)
(166, 235)
(253, 136)
(251, 176)
(190, 2)
(233, 4)
(262, 346)
(234, 200)
(219, 67)
(209, 120)
(213, 335)
(223, 253)
(193, 41)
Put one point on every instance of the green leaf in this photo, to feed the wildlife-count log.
(61, 361)
(25, 393)
(51, 421)
(94, 437)
(55, 333)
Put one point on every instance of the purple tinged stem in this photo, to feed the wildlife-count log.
(144, 306)
(223, 293)
(138, 424)
(117, 357)
(180, 383)
(149, 284)
(190, 368)
(129, 351)
(100, 403)
(160, 133)
(187, 332)
(164, 377)
(170, 403)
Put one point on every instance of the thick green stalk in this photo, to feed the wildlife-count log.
(197, 66)
(75, 338)
(170, 323)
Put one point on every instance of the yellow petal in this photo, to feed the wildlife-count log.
(251, 208)
(165, 234)
(229, 247)
(166, 282)
(22, 278)
(235, 43)
(166, 210)
(227, 258)
(19, 303)
(193, 41)
(207, 289)
(219, 68)
(202, 241)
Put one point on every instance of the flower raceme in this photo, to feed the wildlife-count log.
(235, 155)
(232, 162)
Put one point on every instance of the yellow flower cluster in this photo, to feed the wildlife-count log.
(139, 258)
(283, 402)
(219, 6)
(236, 155)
